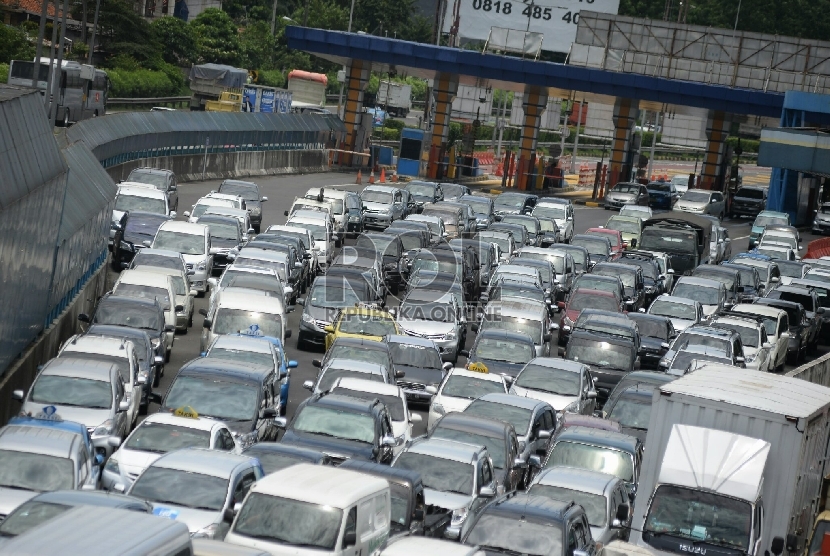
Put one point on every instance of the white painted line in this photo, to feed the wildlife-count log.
(737, 238)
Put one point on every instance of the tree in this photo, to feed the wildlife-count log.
(13, 44)
(177, 40)
(418, 30)
(217, 37)
(122, 31)
(258, 46)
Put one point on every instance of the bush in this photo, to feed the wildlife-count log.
(272, 78)
(389, 134)
(142, 83)
(748, 145)
(394, 124)
(4, 73)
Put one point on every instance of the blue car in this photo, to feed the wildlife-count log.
(661, 194)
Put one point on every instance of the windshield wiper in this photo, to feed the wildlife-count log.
(500, 549)
(16, 487)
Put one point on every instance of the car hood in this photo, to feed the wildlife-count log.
(425, 327)
(572, 315)
(621, 196)
(194, 519)
(376, 207)
(499, 367)
(86, 416)
(557, 401)
(651, 343)
(420, 375)
(681, 324)
(451, 403)
(218, 243)
(133, 462)
(446, 500)
(327, 314)
(329, 445)
(689, 205)
(11, 498)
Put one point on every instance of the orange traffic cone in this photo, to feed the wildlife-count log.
(359, 178)
(372, 177)
(500, 170)
(394, 177)
(383, 175)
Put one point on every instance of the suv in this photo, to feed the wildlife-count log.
(633, 282)
(813, 311)
(724, 340)
(514, 203)
(383, 205)
(249, 191)
(342, 427)
(610, 358)
(163, 180)
(748, 201)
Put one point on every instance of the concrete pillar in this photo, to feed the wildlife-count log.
(357, 77)
(534, 102)
(444, 90)
(626, 111)
(717, 130)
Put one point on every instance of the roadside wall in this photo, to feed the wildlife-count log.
(817, 371)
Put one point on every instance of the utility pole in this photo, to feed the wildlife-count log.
(94, 29)
(53, 111)
(49, 93)
(653, 141)
(273, 19)
(576, 139)
(40, 32)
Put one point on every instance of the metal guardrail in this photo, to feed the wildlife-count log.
(148, 101)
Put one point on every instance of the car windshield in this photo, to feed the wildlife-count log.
(626, 188)
(330, 376)
(186, 244)
(547, 379)
(600, 354)
(547, 225)
(727, 279)
(29, 515)
(366, 325)
(393, 403)
(594, 245)
(330, 295)
(519, 417)
(160, 438)
(318, 231)
(700, 516)
(632, 410)
(451, 190)
(584, 300)
(613, 238)
(157, 179)
(285, 521)
(421, 190)
(470, 388)
(37, 472)
(273, 461)
(121, 315)
(441, 265)
(806, 301)
(276, 266)
(661, 187)
(771, 252)
(72, 391)
(439, 474)
(628, 278)
(243, 356)
(162, 261)
(493, 349)
(626, 226)
(673, 310)
(247, 192)
(532, 328)
(494, 444)
(144, 292)
(593, 504)
(143, 227)
(381, 197)
(502, 240)
(660, 239)
(348, 425)
(260, 282)
(125, 203)
(793, 270)
(358, 353)
(479, 204)
(750, 337)
(506, 289)
(508, 201)
(530, 224)
(747, 193)
(652, 328)
(686, 361)
(508, 535)
(374, 243)
(223, 400)
(122, 363)
(181, 488)
(595, 458)
(705, 295)
(764, 220)
(687, 339)
(696, 196)
(408, 355)
(223, 231)
(579, 257)
(241, 321)
(559, 213)
(201, 208)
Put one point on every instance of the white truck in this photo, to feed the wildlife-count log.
(791, 415)
(396, 98)
(308, 90)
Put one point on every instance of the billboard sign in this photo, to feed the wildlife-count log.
(556, 20)
(266, 103)
(249, 99)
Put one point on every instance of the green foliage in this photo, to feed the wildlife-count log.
(14, 44)
(418, 30)
(389, 134)
(142, 83)
(748, 145)
(394, 124)
(273, 78)
(258, 46)
(177, 40)
(455, 134)
(217, 37)
(323, 14)
(122, 31)
(4, 73)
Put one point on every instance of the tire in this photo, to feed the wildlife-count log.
(65, 122)
(190, 320)
(183, 332)
(157, 378)
(142, 408)
(167, 356)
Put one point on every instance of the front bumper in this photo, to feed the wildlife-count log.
(313, 333)
(376, 220)
(198, 281)
(415, 391)
(746, 209)
(616, 203)
(821, 226)
(660, 202)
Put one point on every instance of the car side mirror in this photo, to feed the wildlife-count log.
(287, 333)
(633, 243)
(119, 487)
(18, 395)
(777, 546)
(487, 491)
(228, 515)
(400, 374)
(591, 394)
(475, 327)
(179, 308)
(308, 385)
(349, 539)
(142, 380)
(203, 312)
(123, 405)
(280, 422)
(329, 329)
(447, 366)
(519, 463)
(792, 543)
(285, 213)
(820, 311)
(83, 317)
(207, 323)
(670, 271)
(560, 304)
(114, 441)
(546, 338)
(431, 390)
(623, 510)
(464, 352)
(543, 435)
(389, 442)
(535, 461)
(316, 363)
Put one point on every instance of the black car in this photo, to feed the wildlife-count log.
(161, 179)
(800, 328)
(748, 201)
(501, 351)
(514, 203)
(499, 437)
(424, 193)
(420, 360)
(656, 333)
(342, 427)
(150, 365)
(296, 267)
(661, 194)
(226, 239)
(530, 223)
(206, 384)
(599, 248)
(326, 297)
(388, 250)
(751, 286)
(249, 191)
(632, 279)
(520, 235)
(813, 311)
(729, 277)
(470, 267)
(303, 254)
(579, 254)
(610, 358)
(133, 230)
(412, 240)
(524, 523)
(416, 226)
(655, 283)
(357, 276)
(637, 378)
(275, 456)
(483, 209)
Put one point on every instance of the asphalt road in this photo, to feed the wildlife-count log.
(281, 191)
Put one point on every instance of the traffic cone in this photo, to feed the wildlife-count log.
(383, 175)
(359, 178)
(394, 177)
(372, 177)
(499, 170)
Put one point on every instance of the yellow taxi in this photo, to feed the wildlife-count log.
(362, 322)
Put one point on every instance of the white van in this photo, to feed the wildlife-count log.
(193, 242)
(337, 199)
(152, 285)
(141, 197)
(329, 510)
(205, 203)
(321, 230)
(247, 312)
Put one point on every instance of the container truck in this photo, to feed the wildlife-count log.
(308, 90)
(209, 81)
(395, 98)
(792, 415)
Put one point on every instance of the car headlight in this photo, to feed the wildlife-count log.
(104, 429)
(156, 342)
(387, 211)
(202, 266)
(255, 211)
(459, 516)
(208, 532)
(438, 408)
(354, 219)
(573, 407)
(126, 246)
(306, 318)
(145, 374)
(112, 466)
(245, 440)
(450, 335)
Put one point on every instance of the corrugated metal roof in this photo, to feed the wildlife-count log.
(89, 189)
(776, 394)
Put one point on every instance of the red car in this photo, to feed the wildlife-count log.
(584, 299)
(617, 243)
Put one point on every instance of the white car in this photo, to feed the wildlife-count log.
(184, 295)
(566, 385)
(458, 390)
(193, 242)
(393, 398)
(150, 285)
(322, 231)
(682, 312)
(161, 433)
(643, 213)
(205, 203)
(758, 350)
(776, 323)
(561, 212)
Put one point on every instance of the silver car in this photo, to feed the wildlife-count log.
(603, 496)
(435, 316)
(701, 201)
(566, 385)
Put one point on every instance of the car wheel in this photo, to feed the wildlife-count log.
(183, 332)
(167, 356)
(190, 320)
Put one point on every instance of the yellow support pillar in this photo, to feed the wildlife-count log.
(357, 77)
(717, 130)
(445, 89)
(626, 111)
(534, 102)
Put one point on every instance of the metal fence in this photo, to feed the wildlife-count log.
(119, 138)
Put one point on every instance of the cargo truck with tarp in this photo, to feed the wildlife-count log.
(209, 81)
(684, 237)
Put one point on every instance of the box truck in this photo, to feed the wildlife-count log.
(395, 98)
(792, 415)
(308, 90)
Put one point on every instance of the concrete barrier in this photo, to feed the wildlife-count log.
(817, 371)
(22, 372)
(231, 164)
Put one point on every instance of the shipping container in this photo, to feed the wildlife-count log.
(396, 98)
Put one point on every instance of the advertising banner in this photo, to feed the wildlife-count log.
(266, 103)
(249, 99)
